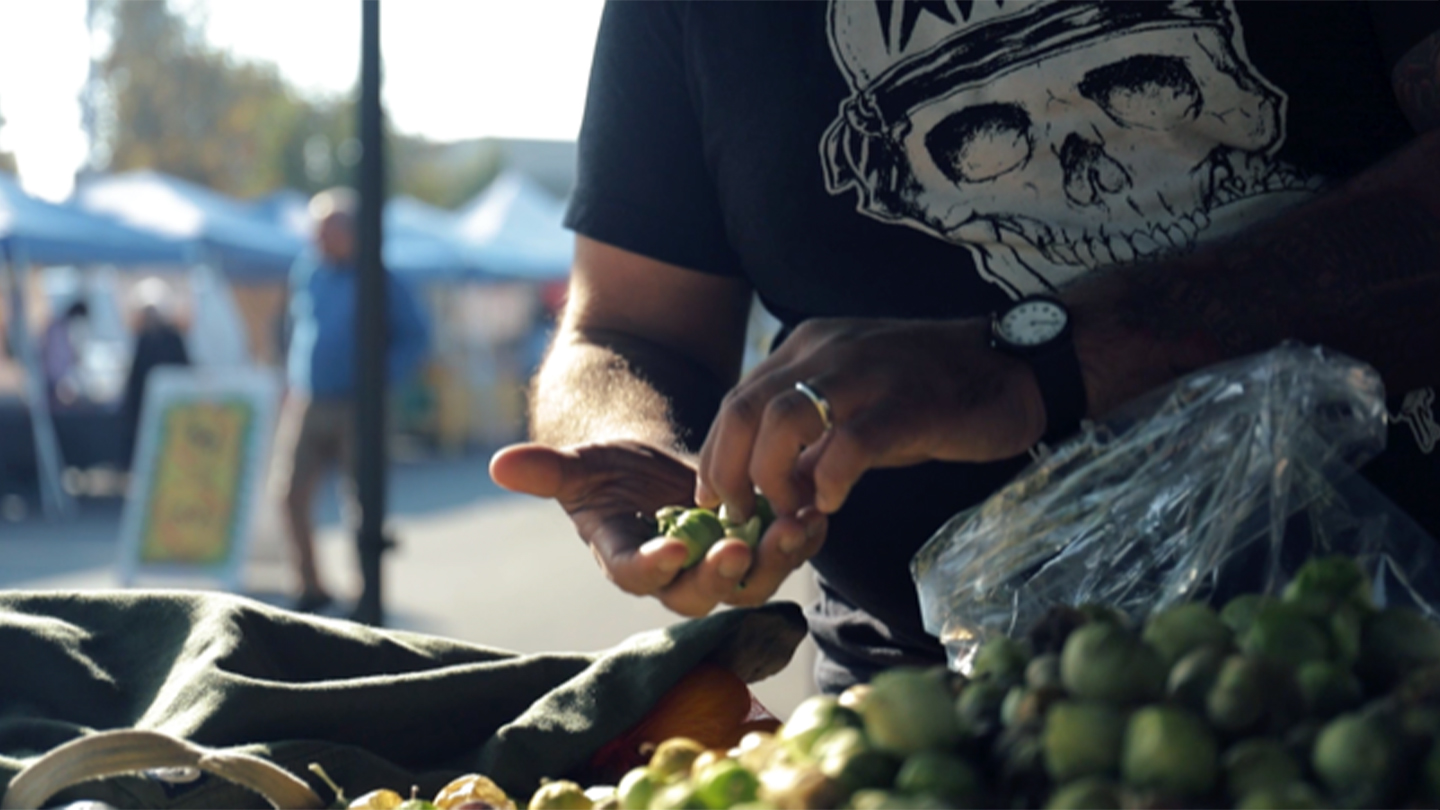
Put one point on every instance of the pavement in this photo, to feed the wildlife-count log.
(475, 563)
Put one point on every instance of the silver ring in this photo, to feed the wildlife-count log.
(822, 405)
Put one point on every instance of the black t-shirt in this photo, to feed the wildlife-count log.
(927, 159)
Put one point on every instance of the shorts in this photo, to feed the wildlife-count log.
(314, 437)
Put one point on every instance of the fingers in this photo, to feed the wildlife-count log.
(534, 469)
(645, 570)
(722, 474)
(792, 422)
(789, 543)
(697, 591)
(847, 454)
(755, 441)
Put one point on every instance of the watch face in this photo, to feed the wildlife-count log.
(1032, 323)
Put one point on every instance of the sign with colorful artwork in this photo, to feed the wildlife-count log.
(200, 462)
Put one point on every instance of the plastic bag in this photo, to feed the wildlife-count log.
(1222, 483)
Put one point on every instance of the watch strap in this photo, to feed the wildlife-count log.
(1062, 389)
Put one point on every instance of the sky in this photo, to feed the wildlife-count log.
(453, 68)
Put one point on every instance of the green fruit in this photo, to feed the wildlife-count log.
(764, 510)
(677, 796)
(979, 708)
(839, 740)
(909, 710)
(1043, 672)
(1258, 764)
(1325, 583)
(1239, 613)
(1328, 688)
(1420, 722)
(1430, 773)
(666, 517)
(1010, 709)
(751, 529)
(673, 757)
(854, 697)
(1176, 631)
(1025, 707)
(698, 529)
(1090, 793)
(604, 797)
(1346, 626)
(1294, 796)
(893, 800)
(637, 788)
(1284, 634)
(1169, 750)
(1354, 758)
(1105, 614)
(1022, 755)
(725, 784)
(1237, 701)
(813, 717)
(1102, 661)
(1082, 739)
(1396, 642)
(1001, 659)
(845, 756)
(799, 787)
(938, 773)
(560, 794)
(1193, 676)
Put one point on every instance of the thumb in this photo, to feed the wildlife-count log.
(534, 469)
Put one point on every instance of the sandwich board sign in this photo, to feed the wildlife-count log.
(201, 458)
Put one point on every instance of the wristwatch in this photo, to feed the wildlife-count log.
(1036, 329)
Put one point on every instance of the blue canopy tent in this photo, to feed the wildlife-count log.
(514, 229)
(37, 231)
(32, 230)
(420, 243)
(239, 244)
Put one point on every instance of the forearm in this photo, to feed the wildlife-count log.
(1357, 270)
(597, 385)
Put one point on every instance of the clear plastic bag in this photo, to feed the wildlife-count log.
(1222, 483)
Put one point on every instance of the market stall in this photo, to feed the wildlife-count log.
(1196, 603)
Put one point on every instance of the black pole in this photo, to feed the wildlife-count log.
(371, 325)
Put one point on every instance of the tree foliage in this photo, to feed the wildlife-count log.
(176, 104)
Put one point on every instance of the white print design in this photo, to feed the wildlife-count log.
(1050, 138)
(1416, 412)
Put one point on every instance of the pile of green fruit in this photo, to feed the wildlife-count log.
(1311, 699)
(1315, 698)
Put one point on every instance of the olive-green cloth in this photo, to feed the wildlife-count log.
(376, 708)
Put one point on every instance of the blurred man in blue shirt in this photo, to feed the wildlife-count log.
(317, 426)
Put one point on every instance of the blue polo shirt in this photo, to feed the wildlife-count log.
(321, 363)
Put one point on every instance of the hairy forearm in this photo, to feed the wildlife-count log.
(1357, 270)
(603, 386)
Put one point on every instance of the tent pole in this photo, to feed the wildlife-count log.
(372, 326)
(50, 463)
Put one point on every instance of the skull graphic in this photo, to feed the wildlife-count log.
(1050, 138)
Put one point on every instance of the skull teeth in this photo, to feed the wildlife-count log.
(1233, 178)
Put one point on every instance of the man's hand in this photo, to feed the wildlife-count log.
(901, 393)
(610, 490)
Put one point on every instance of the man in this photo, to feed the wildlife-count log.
(316, 430)
(1136, 189)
